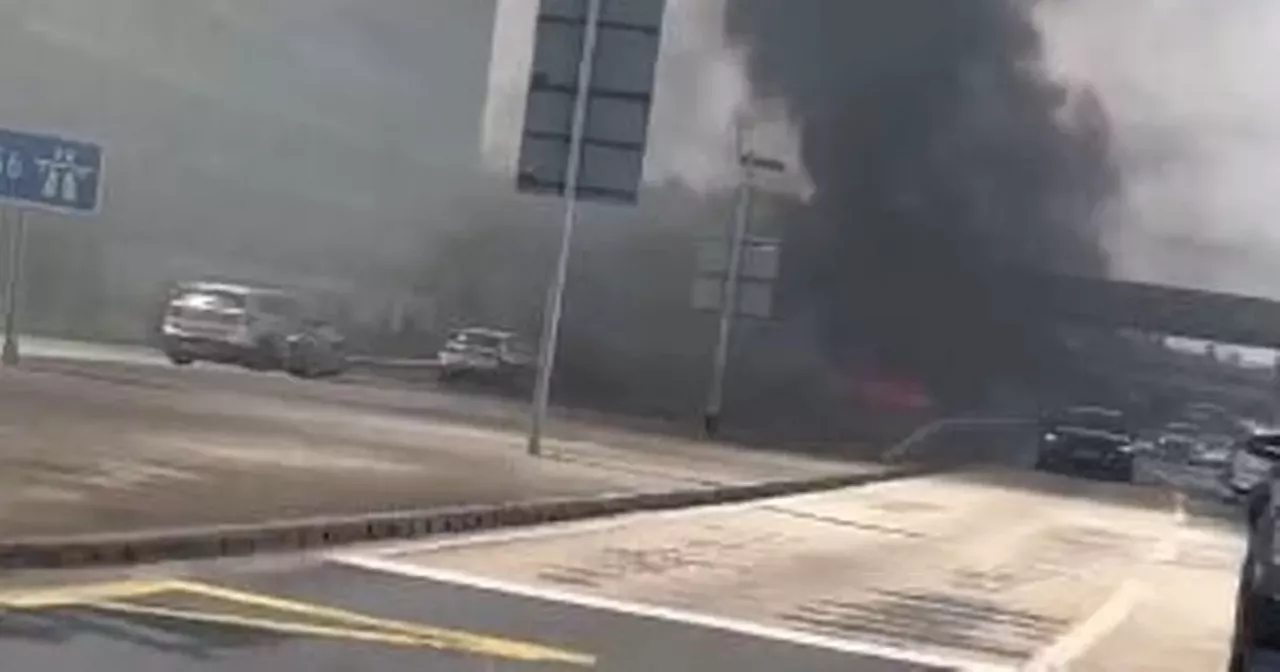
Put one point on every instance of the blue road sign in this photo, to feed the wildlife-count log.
(50, 173)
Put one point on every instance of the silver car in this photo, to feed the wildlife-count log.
(230, 324)
(484, 352)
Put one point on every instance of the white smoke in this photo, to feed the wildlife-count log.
(701, 87)
(1191, 89)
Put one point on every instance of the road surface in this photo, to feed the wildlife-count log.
(136, 365)
(974, 571)
(97, 443)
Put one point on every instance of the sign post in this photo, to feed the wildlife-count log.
(41, 172)
(729, 303)
(585, 130)
(17, 236)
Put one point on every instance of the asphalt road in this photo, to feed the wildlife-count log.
(976, 571)
(385, 623)
(364, 386)
(96, 439)
(141, 367)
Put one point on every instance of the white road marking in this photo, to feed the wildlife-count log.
(900, 449)
(1082, 637)
(1087, 633)
(737, 626)
(582, 527)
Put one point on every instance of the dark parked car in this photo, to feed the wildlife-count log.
(1255, 643)
(1088, 441)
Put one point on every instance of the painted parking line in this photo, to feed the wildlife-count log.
(227, 607)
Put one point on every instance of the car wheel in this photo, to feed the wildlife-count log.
(298, 362)
(299, 369)
(265, 357)
(179, 358)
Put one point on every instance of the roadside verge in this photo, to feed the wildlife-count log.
(82, 551)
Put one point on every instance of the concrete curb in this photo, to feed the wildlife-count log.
(101, 550)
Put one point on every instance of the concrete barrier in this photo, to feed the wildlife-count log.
(82, 551)
(911, 448)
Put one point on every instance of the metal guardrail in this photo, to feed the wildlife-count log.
(904, 447)
(394, 362)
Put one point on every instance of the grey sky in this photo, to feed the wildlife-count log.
(701, 84)
(326, 121)
(1189, 85)
(337, 124)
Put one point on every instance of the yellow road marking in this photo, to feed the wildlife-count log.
(345, 624)
(250, 623)
(66, 596)
(423, 635)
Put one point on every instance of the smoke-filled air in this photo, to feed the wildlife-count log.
(1190, 89)
(946, 161)
(938, 151)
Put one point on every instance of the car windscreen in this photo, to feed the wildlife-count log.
(1089, 418)
(477, 340)
(211, 301)
(1266, 445)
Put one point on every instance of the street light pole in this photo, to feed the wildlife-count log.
(729, 295)
(17, 241)
(555, 297)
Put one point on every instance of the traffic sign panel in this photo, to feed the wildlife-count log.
(754, 297)
(761, 258)
(619, 96)
(50, 173)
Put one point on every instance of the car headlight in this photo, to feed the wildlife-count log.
(1050, 437)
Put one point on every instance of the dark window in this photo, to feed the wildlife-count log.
(1092, 418)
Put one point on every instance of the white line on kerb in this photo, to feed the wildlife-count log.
(787, 635)
(1114, 611)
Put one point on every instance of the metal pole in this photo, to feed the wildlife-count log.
(729, 296)
(555, 298)
(17, 241)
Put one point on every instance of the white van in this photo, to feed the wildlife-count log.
(231, 324)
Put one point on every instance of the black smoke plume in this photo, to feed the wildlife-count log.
(946, 164)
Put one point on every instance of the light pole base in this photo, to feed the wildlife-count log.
(9, 356)
(710, 425)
